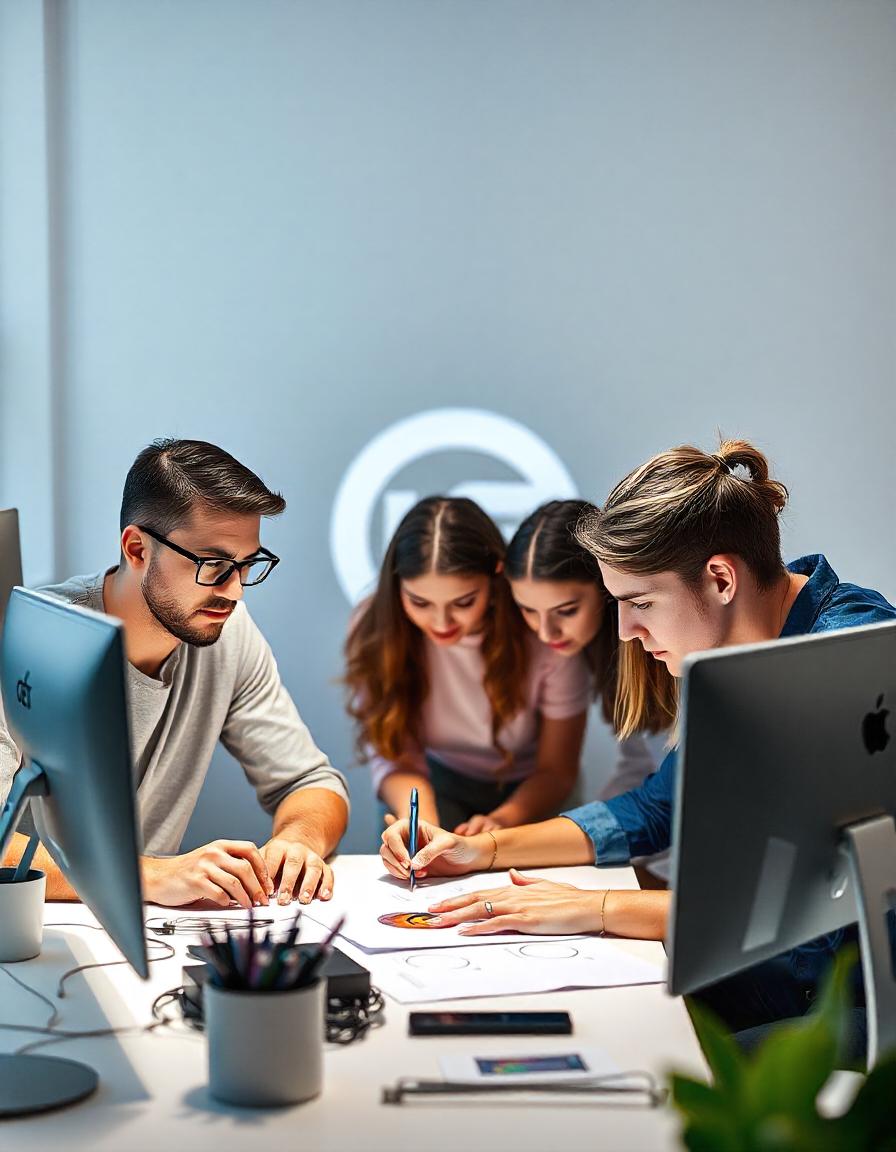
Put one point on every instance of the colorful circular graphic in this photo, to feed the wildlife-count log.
(409, 919)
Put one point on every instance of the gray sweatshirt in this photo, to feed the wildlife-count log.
(229, 691)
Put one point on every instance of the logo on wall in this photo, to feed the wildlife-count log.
(366, 486)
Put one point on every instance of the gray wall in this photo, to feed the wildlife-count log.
(285, 226)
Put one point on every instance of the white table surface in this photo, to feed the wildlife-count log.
(153, 1092)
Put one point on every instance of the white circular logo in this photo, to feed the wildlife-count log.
(544, 477)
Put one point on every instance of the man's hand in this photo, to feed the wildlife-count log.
(295, 866)
(222, 872)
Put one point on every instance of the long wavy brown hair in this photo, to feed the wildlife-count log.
(386, 674)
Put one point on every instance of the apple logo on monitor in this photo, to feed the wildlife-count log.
(874, 728)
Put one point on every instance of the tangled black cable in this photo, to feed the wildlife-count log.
(195, 925)
(348, 1018)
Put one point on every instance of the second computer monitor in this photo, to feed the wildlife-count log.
(785, 746)
(10, 557)
(62, 674)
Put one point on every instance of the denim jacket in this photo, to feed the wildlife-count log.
(639, 822)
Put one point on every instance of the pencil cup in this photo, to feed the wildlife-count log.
(21, 915)
(265, 1048)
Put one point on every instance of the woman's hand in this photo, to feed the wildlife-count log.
(537, 907)
(477, 824)
(439, 853)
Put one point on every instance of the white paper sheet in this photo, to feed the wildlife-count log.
(363, 903)
(539, 965)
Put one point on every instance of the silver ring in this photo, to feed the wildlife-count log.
(489, 911)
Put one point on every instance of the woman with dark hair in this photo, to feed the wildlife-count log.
(558, 588)
(450, 692)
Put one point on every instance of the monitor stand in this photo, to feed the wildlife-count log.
(31, 1084)
(871, 847)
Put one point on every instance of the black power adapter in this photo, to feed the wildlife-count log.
(346, 980)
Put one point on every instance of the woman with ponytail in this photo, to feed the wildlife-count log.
(689, 548)
(449, 691)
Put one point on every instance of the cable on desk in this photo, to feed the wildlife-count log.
(57, 1036)
(350, 1019)
(347, 1020)
(194, 925)
(171, 951)
(54, 1011)
(54, 1035)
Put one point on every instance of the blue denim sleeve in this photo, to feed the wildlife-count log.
(603, 830)
(637, 823)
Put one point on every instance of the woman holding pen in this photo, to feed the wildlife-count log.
(557, 586)
(450, 692)
(689, 547)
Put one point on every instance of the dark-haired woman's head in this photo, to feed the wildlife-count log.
(558, 588)
(556, 583)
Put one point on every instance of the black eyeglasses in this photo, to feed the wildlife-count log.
(214, 571)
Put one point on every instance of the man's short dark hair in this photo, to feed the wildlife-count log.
(172, 477)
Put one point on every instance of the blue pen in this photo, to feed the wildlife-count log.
(412, 834)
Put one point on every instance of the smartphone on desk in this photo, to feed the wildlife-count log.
(489, 1024)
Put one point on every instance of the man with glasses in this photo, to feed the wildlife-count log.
(200, 671)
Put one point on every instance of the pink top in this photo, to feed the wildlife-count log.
(456, 725)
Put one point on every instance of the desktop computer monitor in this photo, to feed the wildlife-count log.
(783, 826)
(62, 676)
(10, 557)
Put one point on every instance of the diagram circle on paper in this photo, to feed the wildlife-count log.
(437, 959)
(547, 951)
(409, 919)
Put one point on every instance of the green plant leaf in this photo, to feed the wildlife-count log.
(794, 1063)
(726, 1061)
(786, 1133)
(790, 1068)
(767, 1103)
(698, 1100)
(705, 1137)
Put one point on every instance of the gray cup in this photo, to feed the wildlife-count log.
(21, 915)
(265, 1048)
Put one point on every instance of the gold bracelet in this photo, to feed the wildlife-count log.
(603, 903)
(495, 853)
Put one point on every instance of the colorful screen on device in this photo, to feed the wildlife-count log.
(527, 1064)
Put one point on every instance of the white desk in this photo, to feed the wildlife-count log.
(153, 1095)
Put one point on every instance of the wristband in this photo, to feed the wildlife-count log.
(603, 904)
